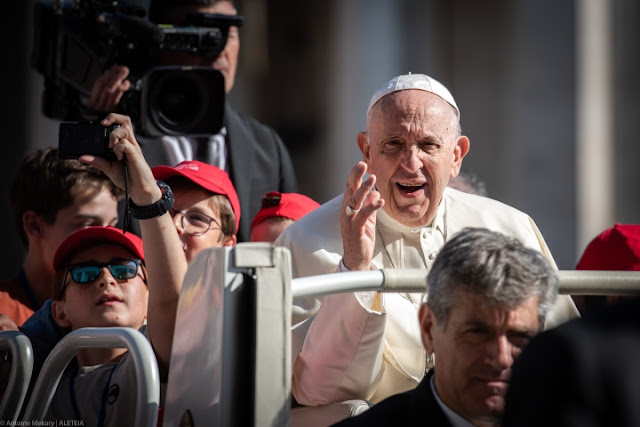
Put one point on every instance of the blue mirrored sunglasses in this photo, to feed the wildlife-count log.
(87, 273)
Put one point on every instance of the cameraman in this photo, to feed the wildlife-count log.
(252, 153)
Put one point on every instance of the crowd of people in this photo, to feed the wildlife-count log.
(445, 354)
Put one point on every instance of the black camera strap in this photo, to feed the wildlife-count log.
(127, 214)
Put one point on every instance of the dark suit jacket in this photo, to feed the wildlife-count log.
(417, 407)
(583, 373)
(258, 162)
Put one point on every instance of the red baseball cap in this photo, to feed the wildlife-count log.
(291, 205)
(207, 176)
(92, 236)
(617, 248)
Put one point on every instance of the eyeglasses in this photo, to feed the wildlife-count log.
(196, 223)
(86, 273)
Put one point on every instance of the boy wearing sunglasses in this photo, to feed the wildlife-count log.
(102, 264)
(101, 281)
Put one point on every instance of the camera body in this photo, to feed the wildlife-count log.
(174, 100)
(76, 139)
(75, 42)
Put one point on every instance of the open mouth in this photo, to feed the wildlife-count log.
(409, 188)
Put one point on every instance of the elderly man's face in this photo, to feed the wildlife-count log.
(413, 148)
(474, 352)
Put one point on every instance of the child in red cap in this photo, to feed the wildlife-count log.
(615, 249)
(101, 281)
(206, 211)
(277, 212)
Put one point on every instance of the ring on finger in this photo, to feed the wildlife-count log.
(351, 211)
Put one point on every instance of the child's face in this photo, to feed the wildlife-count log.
(189, 199)
(105, 301)
(88, 209)
(268, 231)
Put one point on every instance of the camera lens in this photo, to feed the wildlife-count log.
(178, 100)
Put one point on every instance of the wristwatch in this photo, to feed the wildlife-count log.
(160, 207)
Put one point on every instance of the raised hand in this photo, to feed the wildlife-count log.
(108, 89)
(358, 218)
(142, 185)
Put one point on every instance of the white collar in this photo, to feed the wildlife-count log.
(455, 419)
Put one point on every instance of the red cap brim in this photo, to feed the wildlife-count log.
(92, 236)
(292, 205)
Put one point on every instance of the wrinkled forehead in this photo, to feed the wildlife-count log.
(411, 100)
(415, 109)
(471, 309)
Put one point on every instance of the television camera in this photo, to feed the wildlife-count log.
(75, 42)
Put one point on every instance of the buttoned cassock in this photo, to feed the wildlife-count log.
(367, 346)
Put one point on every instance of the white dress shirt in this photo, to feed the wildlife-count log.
(181, 148)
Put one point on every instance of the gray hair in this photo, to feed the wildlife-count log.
(493, 266)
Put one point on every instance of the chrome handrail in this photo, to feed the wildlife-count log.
(574, 282)
(21, 351)
(144, 361)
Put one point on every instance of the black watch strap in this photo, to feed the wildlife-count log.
(160, 207)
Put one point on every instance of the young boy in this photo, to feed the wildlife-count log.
(206, 212)
(51, 198)
(277, 212)
(103, 283)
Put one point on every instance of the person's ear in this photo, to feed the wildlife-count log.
(459, 151)
(229, 240)
(427, 326)
(59, 315)
(32, 224)
(364, 146)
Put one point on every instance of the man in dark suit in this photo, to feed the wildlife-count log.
(251, 152)
(488, 296)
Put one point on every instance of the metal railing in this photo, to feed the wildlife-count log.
(19, 346)
(144, 361)
(574, 282)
